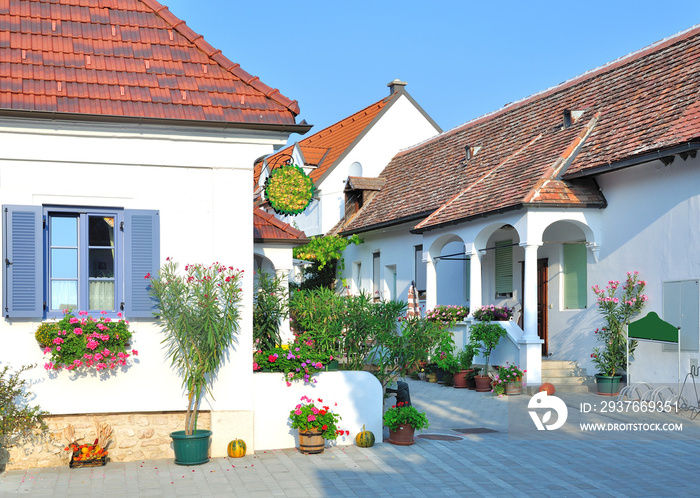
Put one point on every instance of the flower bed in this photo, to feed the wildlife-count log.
(298, 361)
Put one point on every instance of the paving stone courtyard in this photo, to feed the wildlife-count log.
(456, 456)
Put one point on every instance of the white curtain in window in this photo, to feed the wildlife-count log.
(64, 294)
(102, 296)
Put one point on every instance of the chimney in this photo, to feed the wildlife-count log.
(395, 86)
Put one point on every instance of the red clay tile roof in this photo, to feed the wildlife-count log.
(127, 58)
(268, 228)
(646, 101)
(324, 148)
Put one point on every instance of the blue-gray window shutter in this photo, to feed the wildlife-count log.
(23, 258)
(142, 256)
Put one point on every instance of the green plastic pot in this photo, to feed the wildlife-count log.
(606, 385)
(192, 449)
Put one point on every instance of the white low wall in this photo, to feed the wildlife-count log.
(358, 395)
(508, 349)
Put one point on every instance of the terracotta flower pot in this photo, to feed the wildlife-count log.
(483, 383)
(460, 379)
(402, 436)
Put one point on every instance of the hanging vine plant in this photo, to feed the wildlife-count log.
(289, 189)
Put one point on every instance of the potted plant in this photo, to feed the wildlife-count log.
(315, 425)
(485, 336)
(447, 314)
(199, 313)
(493, 313)
(611, 356)
(512, 378)
(403, 420)
(471, 376)
(464, 358)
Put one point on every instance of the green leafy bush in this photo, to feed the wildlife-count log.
(17, 418)
(269, 309)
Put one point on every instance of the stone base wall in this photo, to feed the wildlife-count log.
(135, 436)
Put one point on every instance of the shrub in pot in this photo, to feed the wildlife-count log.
(199, 314)
(485, 336)
(403, 420)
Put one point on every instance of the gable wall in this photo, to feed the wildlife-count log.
(194, 179)
(401, 126)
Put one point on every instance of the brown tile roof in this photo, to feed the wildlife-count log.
(646, 101)
(127, 58)
(268, 228)
(324, 148)
(364, 183)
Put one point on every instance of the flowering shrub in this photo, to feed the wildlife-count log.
(511, 373)
(199, 313)
(87, 342)
(299, 361)
(404, 414)
(493, 313)
(289, 189)
(498, 385)
(447, 313)
(306, 416)
(617, 313)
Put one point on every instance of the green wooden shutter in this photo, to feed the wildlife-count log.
(575, 280)
(504, 267)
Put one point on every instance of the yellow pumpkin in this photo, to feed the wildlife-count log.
(236, 448)
(364, 439)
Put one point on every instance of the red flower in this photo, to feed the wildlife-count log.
(148, 275)
(324, 427)
(322, 412)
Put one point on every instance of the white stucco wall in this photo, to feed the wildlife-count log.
(396, 248)
(197, 180)
(401, 125)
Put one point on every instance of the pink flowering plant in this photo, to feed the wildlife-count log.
(84, 342)
(618, 310)
(297, 361)
(306, 416)
(493, 313)
(199, 312)
(511, 373)
(447, 314)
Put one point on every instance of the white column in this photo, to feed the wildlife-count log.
(475, 299)
(530, 343)
(430, 282)
(530, 291)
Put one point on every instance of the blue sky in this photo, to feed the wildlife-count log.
(461, 59)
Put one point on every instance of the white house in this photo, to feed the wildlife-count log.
(533, 204)
(115, 116)
(359, 145)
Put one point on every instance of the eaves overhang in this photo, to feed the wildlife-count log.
(209, 124)
(634, 161)
(390, 223)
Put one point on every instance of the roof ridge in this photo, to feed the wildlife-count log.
(608, 66)
(217, 56)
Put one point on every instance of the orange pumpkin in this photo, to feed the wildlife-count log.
(236, 448)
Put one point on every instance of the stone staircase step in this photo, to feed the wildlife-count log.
(559, 364)
(566, 380)
(563, 372)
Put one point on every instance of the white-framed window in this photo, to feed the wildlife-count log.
(376, 282)
(79, 258)
(504, 268)
(420, 271)
(357, 276)
(575, 276)
(390, 281)
(681, 302)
